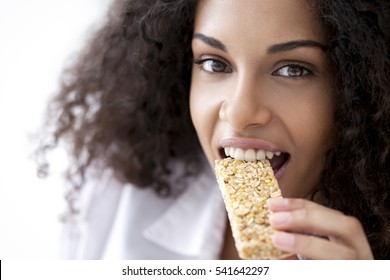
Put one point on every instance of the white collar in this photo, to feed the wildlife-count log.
(194, 225)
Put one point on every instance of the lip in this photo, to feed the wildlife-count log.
(248, 143)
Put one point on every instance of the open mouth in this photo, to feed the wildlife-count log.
(277, 159)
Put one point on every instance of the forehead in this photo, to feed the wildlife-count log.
(251, 20)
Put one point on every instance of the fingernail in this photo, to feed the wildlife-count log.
(283, 240)
(280, 218)
(277, 203)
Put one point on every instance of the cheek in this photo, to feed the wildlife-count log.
(197, 107)
(315, 130)
(204, 115)
(319, 128)
(309, 116)
(313, 135)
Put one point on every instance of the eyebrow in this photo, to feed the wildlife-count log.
(212, 42)
(277, 48)
(288, 46)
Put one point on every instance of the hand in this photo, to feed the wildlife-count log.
(316, 232)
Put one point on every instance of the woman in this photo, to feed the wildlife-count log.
(302, 82)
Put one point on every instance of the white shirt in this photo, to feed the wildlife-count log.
(125, 222)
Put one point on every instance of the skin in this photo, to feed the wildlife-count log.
(252, 87)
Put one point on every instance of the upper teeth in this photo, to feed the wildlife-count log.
(250, 154)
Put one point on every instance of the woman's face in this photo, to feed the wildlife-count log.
(261, 87)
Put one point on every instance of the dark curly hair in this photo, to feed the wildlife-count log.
(356, 179)
(124, 105)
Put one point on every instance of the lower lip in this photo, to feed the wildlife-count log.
(279, 173)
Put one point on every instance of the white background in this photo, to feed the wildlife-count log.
(36, 39)
(199, 269)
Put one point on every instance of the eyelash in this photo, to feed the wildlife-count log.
(305, 71)
(201, 63)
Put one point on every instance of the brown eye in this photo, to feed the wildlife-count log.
(213, 66)
(292, 71)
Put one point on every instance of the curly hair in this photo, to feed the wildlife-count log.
(356, 179)
(124, 105)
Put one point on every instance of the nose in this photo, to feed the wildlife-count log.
(246, 106)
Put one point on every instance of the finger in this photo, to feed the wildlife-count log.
(290, 204)
(312, 247)
(306, 216)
